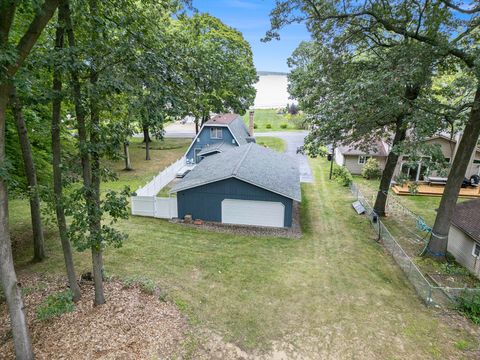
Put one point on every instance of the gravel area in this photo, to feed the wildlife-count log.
(294, 232)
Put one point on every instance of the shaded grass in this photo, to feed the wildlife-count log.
(332, 292)
(273, 143)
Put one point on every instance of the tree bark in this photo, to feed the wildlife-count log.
(146, 134)
(56, 161)
(411, 94)
(21, 337)
(437, 247)
(31, 174)
(94, 193)
(196, 125)
(126, 152)
(390, 165)
(146, 140)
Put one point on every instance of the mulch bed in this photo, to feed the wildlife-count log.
(131, 325)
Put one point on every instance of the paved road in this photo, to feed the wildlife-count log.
(293, 139)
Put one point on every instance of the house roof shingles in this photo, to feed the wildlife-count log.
(223, 146)
(466, 217)
(235, 123)
(251, 163)
(377, 150)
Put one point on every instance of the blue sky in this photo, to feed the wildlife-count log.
(251, 17)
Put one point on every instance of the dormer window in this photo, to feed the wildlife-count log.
(216, 133)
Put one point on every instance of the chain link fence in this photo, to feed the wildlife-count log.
(428, 292)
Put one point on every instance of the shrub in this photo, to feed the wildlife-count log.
(371, 169)
(299, 122)
(342, 175)
(402, 179)
(292, 109)
(283, 126)
(469, 305)
(268, 126)
(55, 305)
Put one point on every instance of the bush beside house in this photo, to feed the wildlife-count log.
(371, 169)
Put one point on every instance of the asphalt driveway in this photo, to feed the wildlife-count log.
(293, 139)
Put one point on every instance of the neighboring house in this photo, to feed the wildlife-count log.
(220, 133)
(354, 159)
(248, 184)
(464, 235)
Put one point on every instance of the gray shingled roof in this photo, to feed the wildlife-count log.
(466, 217)
(219, 147)
(378, 149)
(251, 163)
(239, 130)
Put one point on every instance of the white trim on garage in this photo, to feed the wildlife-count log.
(253, 212)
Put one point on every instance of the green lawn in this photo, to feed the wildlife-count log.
(333, 293)
(263, 117)
(271, 142)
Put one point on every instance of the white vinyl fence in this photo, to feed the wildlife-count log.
(146, 202)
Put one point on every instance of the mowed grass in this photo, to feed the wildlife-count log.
(270, 116)
(273, 143)
(333, 293)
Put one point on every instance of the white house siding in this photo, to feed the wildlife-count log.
(339, 158)
(351, 163)
(460, 245)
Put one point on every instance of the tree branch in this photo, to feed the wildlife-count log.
(41, 19)
(459, 9)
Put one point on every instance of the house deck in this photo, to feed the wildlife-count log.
(435, 190)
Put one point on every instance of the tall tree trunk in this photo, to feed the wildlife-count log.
(411, 94)
(437, 247)
(126, 152)
(196, 125)
(56, 161)
(147, 140)
(390, 165)
(21, 337)
(30, 172)
(94, 194)
(146, 134)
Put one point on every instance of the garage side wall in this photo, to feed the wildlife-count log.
(205, 202)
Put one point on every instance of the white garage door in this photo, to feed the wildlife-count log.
(249, 212)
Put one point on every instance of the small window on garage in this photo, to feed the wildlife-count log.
(476, 250)
(215, 133)
(363, 159)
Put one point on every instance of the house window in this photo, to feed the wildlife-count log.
(215, 133)
(476, 250)
(363, 159)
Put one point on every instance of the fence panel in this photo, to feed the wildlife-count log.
(162, 179)
(166, 208)
(143, 205)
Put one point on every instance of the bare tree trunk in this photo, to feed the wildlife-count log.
(94, 194)
(30, 172)
(390, 165)
(146, 134)
(196, 125)
(126, 152)
(411, 94)
(437, 247)
(56, 162)
(21, 337)
(147, 140)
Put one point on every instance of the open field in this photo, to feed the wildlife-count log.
(270, 116)
(332, 294)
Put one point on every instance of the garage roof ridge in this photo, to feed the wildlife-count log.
(235, 170)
